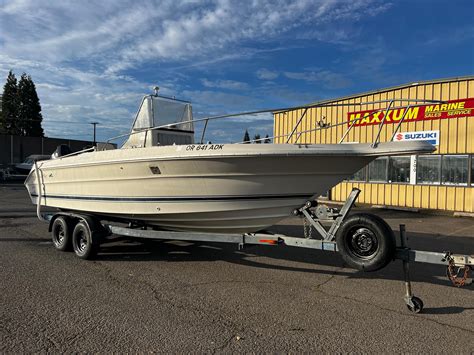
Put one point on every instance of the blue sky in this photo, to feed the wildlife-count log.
(92, 61)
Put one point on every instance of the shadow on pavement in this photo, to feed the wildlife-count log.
(446, 310)
(272, 257)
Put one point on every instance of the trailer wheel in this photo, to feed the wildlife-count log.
(84, 241)
(366, 242)
(61, 234)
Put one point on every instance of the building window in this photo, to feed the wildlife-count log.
(455, 169)
(359, 176)
(378, 170)
(472, 170)
(428, 169)
(399, 169)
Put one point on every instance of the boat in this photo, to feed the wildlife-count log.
(162, 178)
(25, 166)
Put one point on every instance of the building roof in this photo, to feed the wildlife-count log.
(403, 86)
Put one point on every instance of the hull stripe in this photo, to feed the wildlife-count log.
(173, 199)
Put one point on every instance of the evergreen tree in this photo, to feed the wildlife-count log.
(29, 113)
(256, 138)
(9, 106)
(267, 139)
(246, 137)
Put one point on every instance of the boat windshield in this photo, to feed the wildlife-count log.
(158, 111)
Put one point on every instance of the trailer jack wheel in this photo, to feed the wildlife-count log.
(414, 304)
(366, 242)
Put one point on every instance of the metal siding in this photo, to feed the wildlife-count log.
(441, 191)
(469, 200)
(433, 198)
(459, 198)
(409, 195)
(456, 137)
(452, 123)
(417, 191)
(444, 124)
(462, 122)
(470, 123)
(436, 95)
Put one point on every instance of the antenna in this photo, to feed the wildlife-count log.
(156, 88)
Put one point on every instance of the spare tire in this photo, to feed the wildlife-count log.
(366, 242)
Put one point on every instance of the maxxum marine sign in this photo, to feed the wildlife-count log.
(450, 109)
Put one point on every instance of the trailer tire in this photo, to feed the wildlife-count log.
(85, 241)
(61, 233)
(366, 242)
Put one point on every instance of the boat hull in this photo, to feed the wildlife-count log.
(244, 189)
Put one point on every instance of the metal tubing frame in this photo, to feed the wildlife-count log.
(353, 123)
(400, 123)
(204, 131)
(402, 253)
(40, 193)
(377, 137)
(240, 239)
(330, 235)
(280, 110)
(296, 126)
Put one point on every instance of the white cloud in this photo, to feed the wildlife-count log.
(225, 84)
(326, 78)
(266, 74)
(118, 34)
(76, 53)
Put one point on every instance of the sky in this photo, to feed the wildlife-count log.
(94, 60)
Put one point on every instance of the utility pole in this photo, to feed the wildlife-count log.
(94, 124)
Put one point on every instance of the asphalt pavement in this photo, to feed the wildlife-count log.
(180, 297)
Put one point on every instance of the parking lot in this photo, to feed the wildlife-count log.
(210, 297)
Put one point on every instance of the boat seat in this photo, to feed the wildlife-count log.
(61, 150)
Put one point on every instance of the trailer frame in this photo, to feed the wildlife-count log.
(98, 230)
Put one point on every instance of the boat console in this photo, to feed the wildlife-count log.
(161, 121)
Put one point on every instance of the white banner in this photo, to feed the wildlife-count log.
(429, 136)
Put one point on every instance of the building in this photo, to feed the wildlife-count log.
(443, 180)
(14, 149)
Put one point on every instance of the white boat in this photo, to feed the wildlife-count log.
(25, 166)
(184, 186)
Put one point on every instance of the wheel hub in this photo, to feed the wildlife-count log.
(61, 235)
(363, 243)
(82, 242)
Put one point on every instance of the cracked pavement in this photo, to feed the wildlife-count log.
(210, 297)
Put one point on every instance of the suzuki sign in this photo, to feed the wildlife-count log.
(429, 136)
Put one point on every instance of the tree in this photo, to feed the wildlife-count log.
(256, 138)
(21, 114)
(10, 106)
(267, 139)
(246, 137)
(29, 113)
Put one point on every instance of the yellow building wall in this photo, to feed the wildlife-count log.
(456, 137)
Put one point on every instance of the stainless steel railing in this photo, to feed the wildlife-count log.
(305, 108)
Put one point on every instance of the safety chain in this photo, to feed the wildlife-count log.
(307, 229)
(453, 272)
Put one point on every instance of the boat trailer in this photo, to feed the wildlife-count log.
(83, 233)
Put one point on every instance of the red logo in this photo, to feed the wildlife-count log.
(399, 137)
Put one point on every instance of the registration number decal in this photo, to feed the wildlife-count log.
(196, 147)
